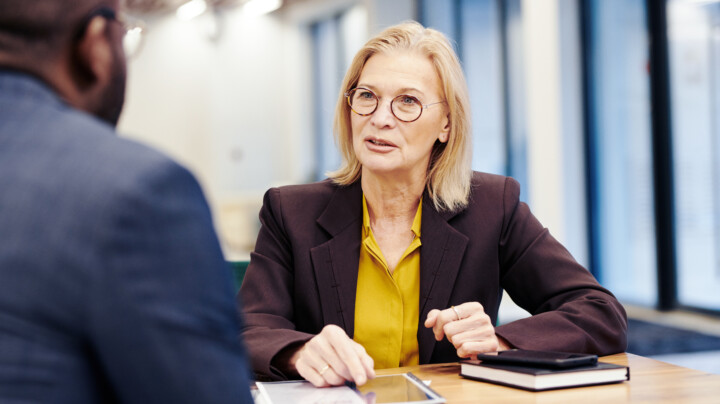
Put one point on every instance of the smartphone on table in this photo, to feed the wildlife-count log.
(549, 359)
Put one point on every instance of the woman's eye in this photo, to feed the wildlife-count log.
(366, 95)
(407, 100)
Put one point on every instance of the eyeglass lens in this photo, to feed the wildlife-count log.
(364, 102)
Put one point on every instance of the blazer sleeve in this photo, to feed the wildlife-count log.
(163, 323)
(570, 311)
(266, 294)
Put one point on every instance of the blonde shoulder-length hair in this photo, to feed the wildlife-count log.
(449, 173)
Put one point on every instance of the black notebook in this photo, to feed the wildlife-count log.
(537, 378)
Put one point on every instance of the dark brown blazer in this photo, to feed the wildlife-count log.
(303, 273)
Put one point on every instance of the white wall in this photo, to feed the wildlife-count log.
(554, 120)
(384, 13)
(230, 96)
(226, 106)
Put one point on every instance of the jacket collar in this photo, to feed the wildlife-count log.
(335, 261)
(23, 87)
(344, 208)
(441, 254)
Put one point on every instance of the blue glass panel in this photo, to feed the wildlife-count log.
(439, 15)
(516, 129)
(328, 76)
(694, 55)
(621, 101)
(480, 41)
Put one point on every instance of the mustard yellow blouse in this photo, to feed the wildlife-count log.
(387, 306)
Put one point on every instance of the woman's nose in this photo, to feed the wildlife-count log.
(383, 115)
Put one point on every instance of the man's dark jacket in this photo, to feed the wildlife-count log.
(113, 287)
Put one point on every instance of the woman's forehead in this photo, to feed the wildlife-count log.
(400, 70)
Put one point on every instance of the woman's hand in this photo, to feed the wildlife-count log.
(331, 358)
(467, 327)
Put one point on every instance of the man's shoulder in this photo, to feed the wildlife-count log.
(39, 124)
(106, 154)
(101, 142)
(88, 157)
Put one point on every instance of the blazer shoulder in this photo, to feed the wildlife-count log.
(493, 184)
(307, 195)
(331, 205)
(313, 188)
(481, 179)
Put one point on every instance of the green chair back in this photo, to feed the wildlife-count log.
(239, 268)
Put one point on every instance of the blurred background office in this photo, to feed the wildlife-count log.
(606, 111)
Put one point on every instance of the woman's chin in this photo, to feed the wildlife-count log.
(380, 167)
(390, 173)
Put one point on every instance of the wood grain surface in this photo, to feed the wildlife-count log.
(651, 381)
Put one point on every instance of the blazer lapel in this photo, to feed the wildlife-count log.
(335, 261)
(441, 254)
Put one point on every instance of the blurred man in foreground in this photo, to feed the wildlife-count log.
(113, 287)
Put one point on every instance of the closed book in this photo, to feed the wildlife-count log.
(538, 379)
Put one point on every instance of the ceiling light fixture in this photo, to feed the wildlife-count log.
(191, 9)
(260, 7)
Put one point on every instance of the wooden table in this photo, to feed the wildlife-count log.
(651, 381)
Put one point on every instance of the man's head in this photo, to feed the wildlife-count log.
(76, 49)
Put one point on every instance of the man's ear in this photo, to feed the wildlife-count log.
(445, 132)
(93, 56)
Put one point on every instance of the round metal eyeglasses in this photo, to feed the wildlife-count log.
(406, 108)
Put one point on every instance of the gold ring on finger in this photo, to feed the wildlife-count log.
(324, 369)
(456, 312)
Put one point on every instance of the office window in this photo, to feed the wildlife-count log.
(440, 15)
(328, 72)
(490, 39)
(514, 92)
(335, 42)
(620, 143)
(694, 57)
(475, 27)
(482, 61)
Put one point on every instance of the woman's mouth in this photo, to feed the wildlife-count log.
(380, 143)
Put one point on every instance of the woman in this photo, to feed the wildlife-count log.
(401, 256)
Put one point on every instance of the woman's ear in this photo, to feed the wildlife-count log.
(445, 132)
